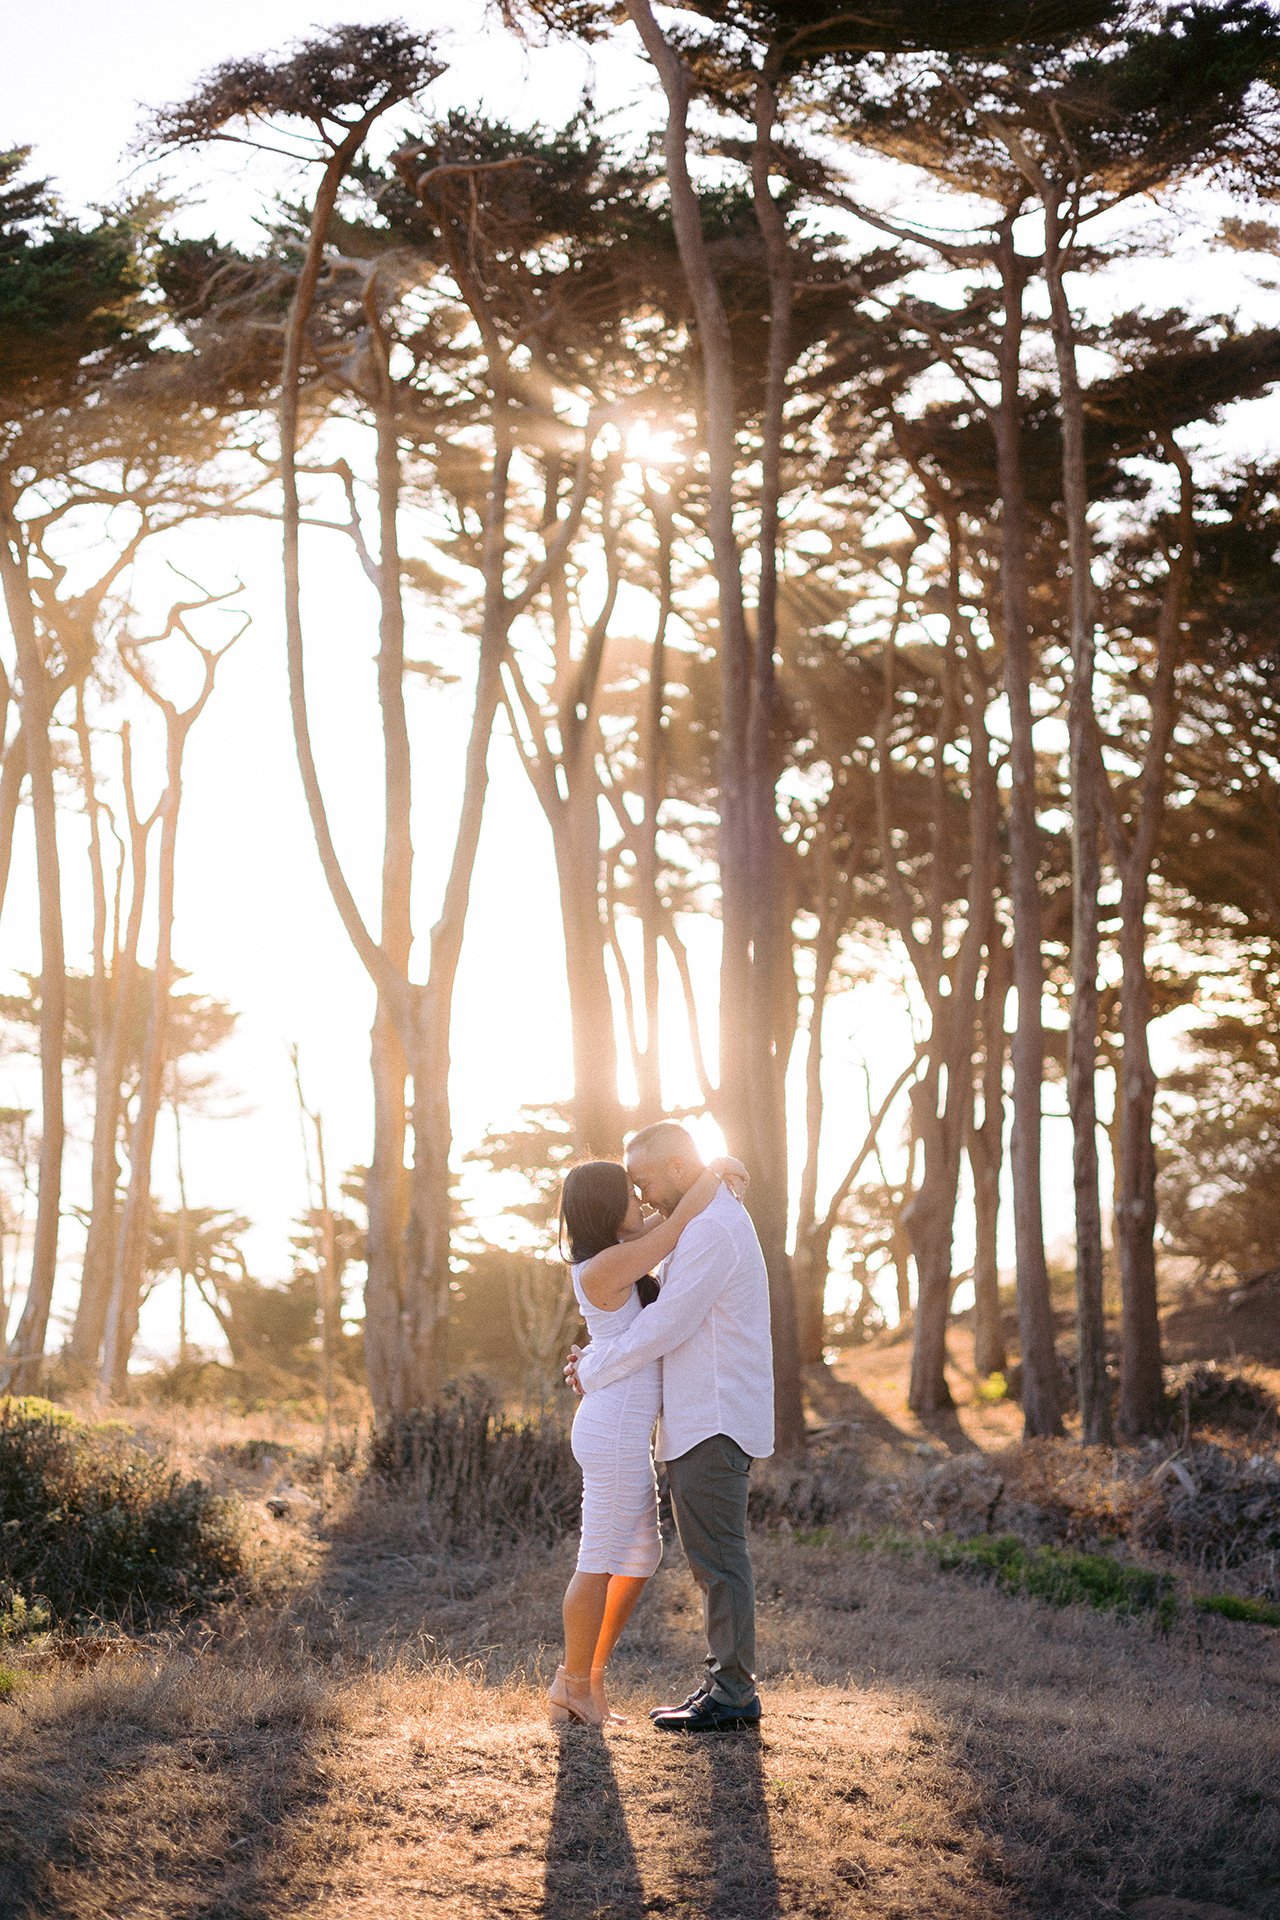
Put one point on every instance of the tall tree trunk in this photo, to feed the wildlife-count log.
(388, 1185)
(986, 1158)
(929, 1218)
(1141, 1371)
(425, 1307)
(767, 1043)
(750, 1074)
(20, 1368)
(1086, 865)
(650, 1075)
(12, 776)
(111, 1047)
(597, 1110)
(809, 1265)
(1041, 1404)
(403, 1371)
(129, 1267)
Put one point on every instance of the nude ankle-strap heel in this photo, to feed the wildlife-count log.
(563, 1709)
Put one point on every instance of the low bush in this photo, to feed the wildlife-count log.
(824, 1489)
(1255, 1613)
(1205, 1394)
(94, 1527)
(1222, 1516)
(1059, 1576)
(479, 1475)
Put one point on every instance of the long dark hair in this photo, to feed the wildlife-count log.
(593, 1205)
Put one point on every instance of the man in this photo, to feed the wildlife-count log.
(710, 1328)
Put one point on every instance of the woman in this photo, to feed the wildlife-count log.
(612, 1247)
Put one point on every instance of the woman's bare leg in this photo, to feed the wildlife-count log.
(620, 1600)
(584, 1608)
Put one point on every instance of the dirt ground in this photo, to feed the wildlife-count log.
(932, 1749)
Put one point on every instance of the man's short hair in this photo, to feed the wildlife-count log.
(664, 1140)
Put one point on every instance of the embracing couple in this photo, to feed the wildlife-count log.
(689, 1350)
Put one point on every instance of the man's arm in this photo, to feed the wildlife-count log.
(698, 1273)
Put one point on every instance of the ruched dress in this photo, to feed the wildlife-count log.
(612, 1430)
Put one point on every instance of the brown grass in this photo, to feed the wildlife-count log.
(932, 1749)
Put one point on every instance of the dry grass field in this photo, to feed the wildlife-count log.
(374, 1743)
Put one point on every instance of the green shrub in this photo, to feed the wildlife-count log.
(479, 1474)
(1256, 1613)
(91, 1526)
(1059, 1576)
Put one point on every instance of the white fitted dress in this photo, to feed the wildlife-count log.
(612, 1430)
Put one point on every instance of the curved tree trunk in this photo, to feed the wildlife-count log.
(20, 1369)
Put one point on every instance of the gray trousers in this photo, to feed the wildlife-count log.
(709, 1497)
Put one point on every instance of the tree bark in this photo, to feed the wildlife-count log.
(597, 1110)
(566, 784)
(649, 1077)
(110, 1059)
(809, 1265)
(750, 1073)
(1141, 1371)
(20, 1369)
(1086, 865)
(1041, 1404)
(388, 1189)
(986, 1158)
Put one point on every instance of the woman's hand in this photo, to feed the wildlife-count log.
(732, 1172)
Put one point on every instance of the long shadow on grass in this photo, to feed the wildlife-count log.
(591, 1863)
(196, 1806)
(744, 1881)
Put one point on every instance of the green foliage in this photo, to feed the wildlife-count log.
(336, 78)
(68, 293)
(92, 1526)
(1256, 1613)
(481, 1476)
(30, 1406)
(18, 1620)
(1058, 1575)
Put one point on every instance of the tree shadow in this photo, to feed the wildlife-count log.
(210, 1799)
(590, 1862)
(838, 1401)
(944, 1426)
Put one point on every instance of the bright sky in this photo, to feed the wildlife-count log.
(254, 922)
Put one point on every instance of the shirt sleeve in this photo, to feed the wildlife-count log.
(696, 1276)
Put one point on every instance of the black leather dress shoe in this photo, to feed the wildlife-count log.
(699, 1693)
(710, 1715)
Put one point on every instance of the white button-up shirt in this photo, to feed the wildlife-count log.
(710, 1328)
